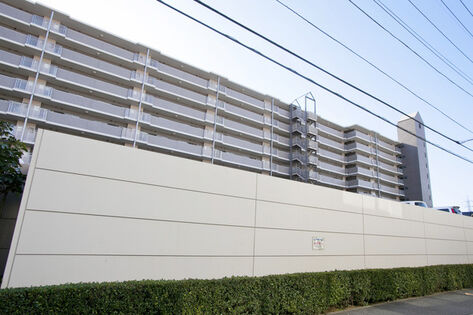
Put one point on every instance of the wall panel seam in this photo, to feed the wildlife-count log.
(141, 183)
(141, 219)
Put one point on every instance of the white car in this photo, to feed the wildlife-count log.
(450, 209)
(416, 203)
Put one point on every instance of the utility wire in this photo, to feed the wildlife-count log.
(327, 72)
(374, 66)
(309, 79)
(440, 31)
(456, 18)
(408, 47)
(439, 55)
(466, 7)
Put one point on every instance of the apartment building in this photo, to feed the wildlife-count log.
(415, 161)
(63, 75)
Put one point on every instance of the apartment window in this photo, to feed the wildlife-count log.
(420, 126)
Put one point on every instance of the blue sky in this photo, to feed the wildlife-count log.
(152, 24)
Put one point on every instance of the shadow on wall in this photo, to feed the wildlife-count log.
(8, 213)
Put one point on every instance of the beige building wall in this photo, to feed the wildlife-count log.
(95, 211)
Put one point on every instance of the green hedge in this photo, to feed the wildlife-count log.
(308, 293)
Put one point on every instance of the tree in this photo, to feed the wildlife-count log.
(11, 150)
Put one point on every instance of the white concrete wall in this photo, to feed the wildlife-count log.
(95, 211)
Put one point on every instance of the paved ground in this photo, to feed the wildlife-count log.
(451, 303)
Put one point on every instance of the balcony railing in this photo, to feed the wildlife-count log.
(38, 43)
(238, 159)
(245, 98)
(32, 64)
(169, 143)
(330, 130)
(77, 57)
(44, 22)
(15, 13)
(98, 44)
(88, 103)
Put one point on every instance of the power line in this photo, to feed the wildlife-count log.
(309, 79)
(466, 8)
(326, 71)
(408, 47)
(456, 18)
(440, 31)
(439, 55)
(374, 66)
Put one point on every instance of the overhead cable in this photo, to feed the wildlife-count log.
(327, 72)
(374, 66)
(408, 47)
(310, 80)
(456, 18)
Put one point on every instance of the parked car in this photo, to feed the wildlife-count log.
(416, 203)
(450, 209)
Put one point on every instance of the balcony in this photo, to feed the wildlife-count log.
(178, 74)
(281, 111)
(239, 127)
(280, 169)
(12, 36)
(245, 98)
(331, 168)
(391, 179)
(99, 45)
(361, 183)
(330, 131)
(241, 112)
(83, 102)
(176, 91)
(357, 134)
(282, 154)
(7, 82)
(21, 109)
(391, 190)
(91, 83)
(43, 22)
(241, 144)
(385, 145)
(360, 158)
(238, 159)
(9, 58)
(27, 87)
(91, 62)
(13, 13)
(174, 108)
(330, 143)
(172, 125)
(358, 146)
(280, 139)
(280, 125)
(389, 167)
(328, 180)
(330, 155)
(32, 64)
(38, 43)
(359, 170)
(28, 137)
(82, 124)
(170, 144)
(389, 157)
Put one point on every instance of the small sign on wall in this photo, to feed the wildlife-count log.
(317, 243)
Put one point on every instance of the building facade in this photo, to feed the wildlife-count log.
(415, 161)
(63, 75)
